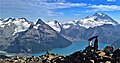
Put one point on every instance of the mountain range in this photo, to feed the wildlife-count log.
(20, 35)
(95, 20)
(99, 24)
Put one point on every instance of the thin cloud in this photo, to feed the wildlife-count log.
(41, 7)
(51, 13)
(42, 1)
(60, 5)
(49, 7)
(111, 0)
(78, 14)
(104, 7)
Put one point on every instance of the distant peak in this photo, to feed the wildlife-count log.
(1, 19)
(103, 16)
(14, 19)
(55, 21)
(23, 19)
(7, 19)
(99, 14)
(39, 21)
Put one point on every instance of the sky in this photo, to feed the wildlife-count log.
(61, 10)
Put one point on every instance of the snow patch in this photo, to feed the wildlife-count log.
(54, 25)
(100, 14)
(66, 26)
(36, 26)
(21, 24)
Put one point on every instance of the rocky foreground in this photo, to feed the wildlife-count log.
(108, 55)
(90, 54)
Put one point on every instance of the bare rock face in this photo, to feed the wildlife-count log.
(108, 50)
(116, 44)
(116, 53)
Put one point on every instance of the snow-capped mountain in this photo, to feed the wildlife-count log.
(55, 25)
(18, 34)
(96, 19)
(68, 24)
(21, 24)
(61, 26)
(97, 24)
(21, 33)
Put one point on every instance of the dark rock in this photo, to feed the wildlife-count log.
(116, 44)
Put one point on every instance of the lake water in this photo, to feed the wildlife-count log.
(76, 46)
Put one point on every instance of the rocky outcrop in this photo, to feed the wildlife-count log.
(116, 44)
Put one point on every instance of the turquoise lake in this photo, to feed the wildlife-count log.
(75, 46)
